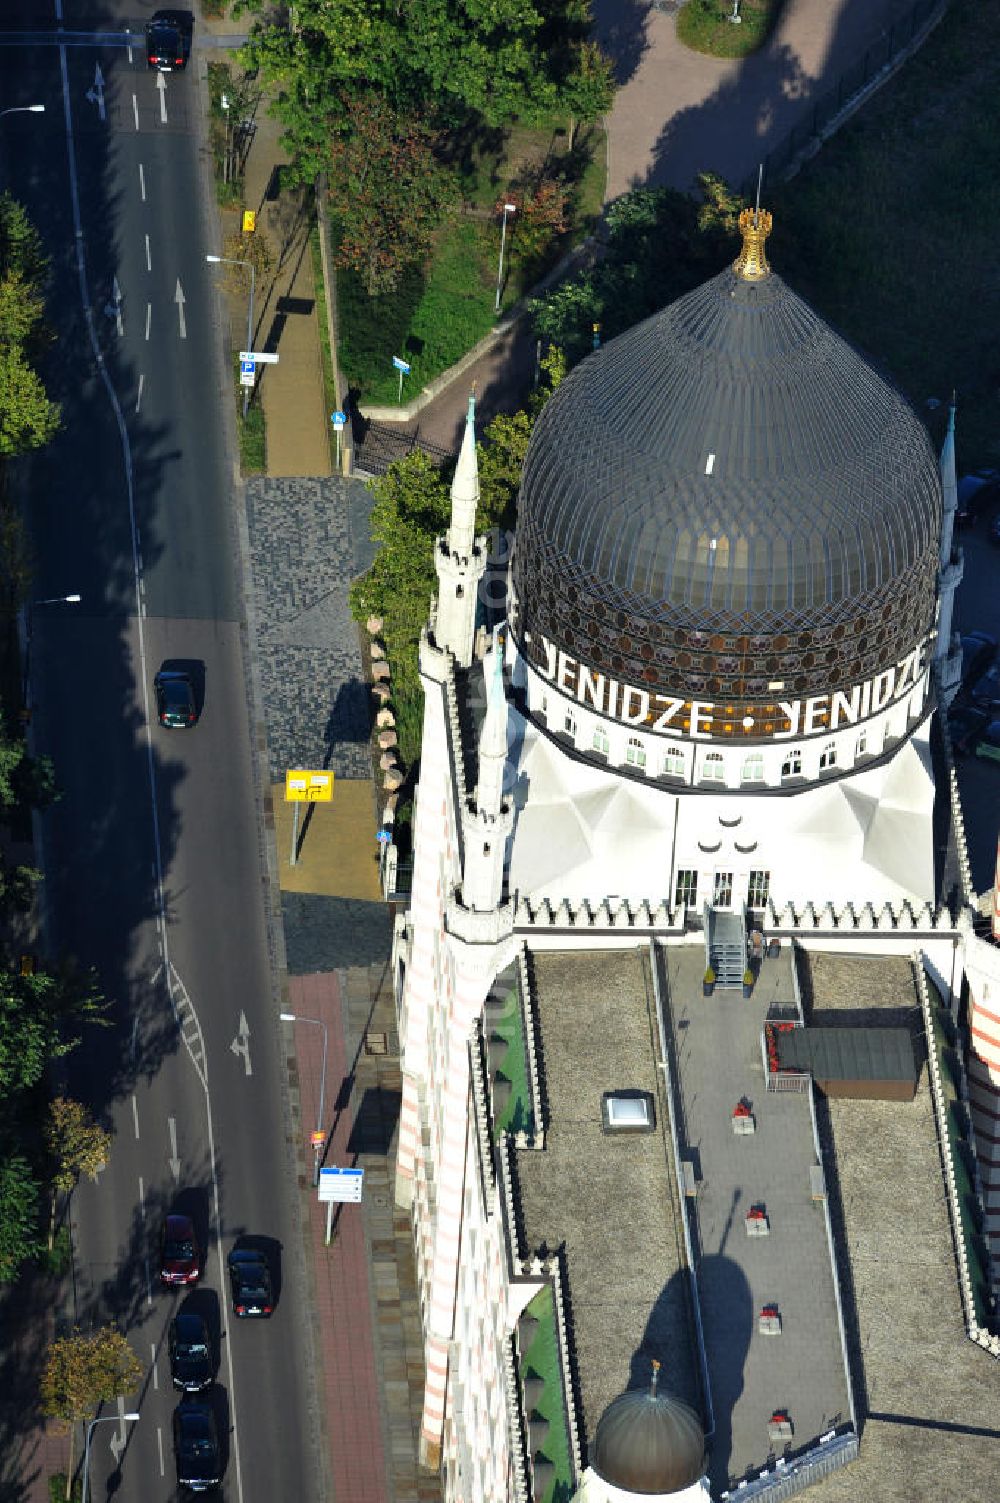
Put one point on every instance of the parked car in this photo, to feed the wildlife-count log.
(196, 1446)
(168, 40)
(190, 1350)
(988, 744)
(986, 690)
(179, 1255)
(175, 702)
(250, 1281)
(978, 649)
(964, 726)
(976, 493)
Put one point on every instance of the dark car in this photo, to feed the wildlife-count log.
(995, 532)
(168, 40)
(978, 649)
(196, 1446)
(988, 744)
(964, 726)
(250, 1279)
(175, 702)
(190, 1352)
(179, 1251)
(986, 690)
(976, 493)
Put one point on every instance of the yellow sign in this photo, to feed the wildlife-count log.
(249, 221)
(304, 787)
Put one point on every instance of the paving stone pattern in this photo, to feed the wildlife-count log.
(303, 558)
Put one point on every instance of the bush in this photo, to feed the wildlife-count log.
(57, 1489)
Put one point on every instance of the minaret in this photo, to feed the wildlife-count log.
(488, 824)
(948, 652)
(460, 557)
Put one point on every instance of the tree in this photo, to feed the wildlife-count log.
(38, 1016)
(28, 420)
(388, 191)
(78, 1145)
(19, 1194)
(83, 1371)
(588, 87)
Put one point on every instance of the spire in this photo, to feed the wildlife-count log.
(465, 490)
(751, 263)
(493, 740)
(949, 484)
(655, 1378)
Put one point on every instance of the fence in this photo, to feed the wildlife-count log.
(823, 116)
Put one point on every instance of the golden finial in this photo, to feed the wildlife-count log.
(653, 1381)
(751, 263)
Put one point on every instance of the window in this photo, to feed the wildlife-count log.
(791, 767)
(886, 736)
(686, 890)
(672, 765)
(569, 724)
(758, 889)
(601, 741)
(635, 752)
(714, 768)
(862, 746)
(828, 756)
(722, 895)
(753, 767)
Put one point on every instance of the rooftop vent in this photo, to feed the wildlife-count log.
(628, 1111)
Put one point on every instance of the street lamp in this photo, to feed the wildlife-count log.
(507, 209)
(23, 109)
(319, 1137)
(28, 627)
(101, 1419)
(232, 261)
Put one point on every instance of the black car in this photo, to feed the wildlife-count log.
(975, 494)
(250, 1279)
(190, 1352)
(175, 701)
(196, 1446)
(168, 40)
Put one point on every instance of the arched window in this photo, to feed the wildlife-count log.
(791, 767)
(714, 768)
(753, 767)
(828, 756)
(635, 752)
(672, 765)
(601, 740)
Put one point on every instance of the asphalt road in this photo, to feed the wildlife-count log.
(154, 870)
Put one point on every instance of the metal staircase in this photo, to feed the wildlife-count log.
(726, 944)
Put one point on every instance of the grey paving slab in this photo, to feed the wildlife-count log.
(718, 1055)
(302, 555)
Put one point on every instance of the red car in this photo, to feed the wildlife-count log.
(179, 1258)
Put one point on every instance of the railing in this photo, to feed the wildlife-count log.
(791, 1475)
(823, 116)
(395, 873)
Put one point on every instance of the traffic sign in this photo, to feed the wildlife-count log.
(249, 221)
(401, 365)
(338, 419)
(262, 357)
(341, 1184)
(305, 787)
(317, 1139)
(247, 372)
(384, 836)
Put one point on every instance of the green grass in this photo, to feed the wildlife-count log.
(253, 437)
(542, 1360)
(891, 230)
(704, 26)
(518, 1115)
(433, 318)
(57, 1489)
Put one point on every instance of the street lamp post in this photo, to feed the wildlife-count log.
(23, 109)
(319, 1139)
(507, 209)
(101, 1419)
(28, 628)
(233, 261)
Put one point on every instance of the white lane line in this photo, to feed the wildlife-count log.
(135, 111)
(159, 1442)
(142, 1198)
(152, 1363)
(149, 263)
(149, 315)
(135, 1106)
(149, 1287)
(161, 84)
(142, 182)
(138, 399)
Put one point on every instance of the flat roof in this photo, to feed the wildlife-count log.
(611, 1200)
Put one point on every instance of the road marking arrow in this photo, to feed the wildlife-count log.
(241, 1043)
(179, 300)
(161, 84)
(96, 94)
(175, 1163)
(118, 1439)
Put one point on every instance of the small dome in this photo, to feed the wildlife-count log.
(649, 1442)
